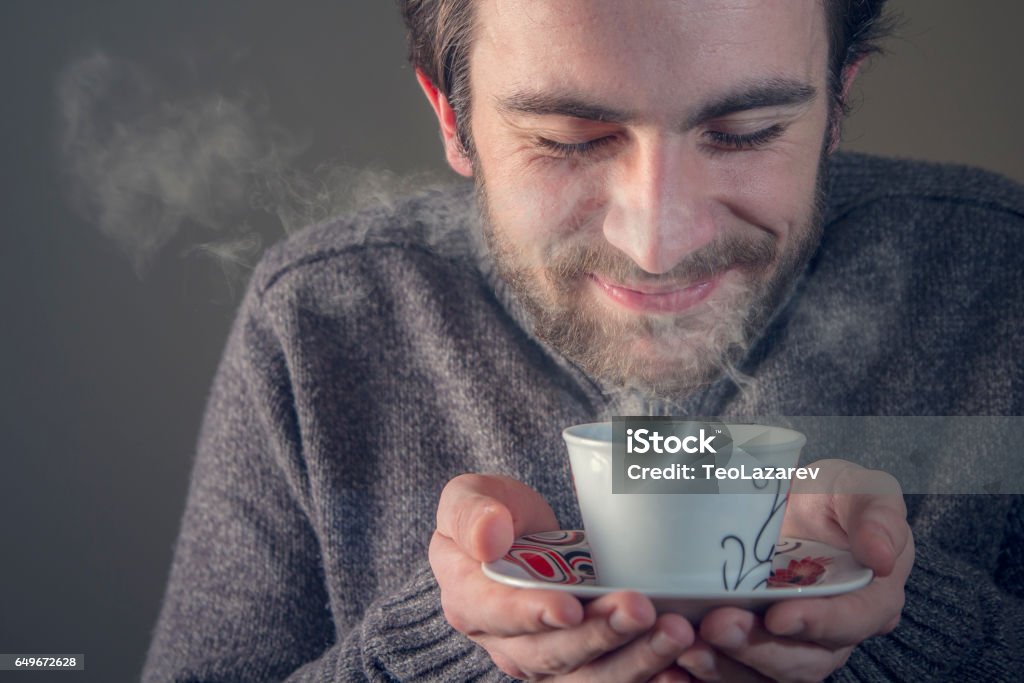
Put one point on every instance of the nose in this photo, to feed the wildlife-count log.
(659, 210)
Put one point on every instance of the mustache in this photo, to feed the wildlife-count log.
(729, 251)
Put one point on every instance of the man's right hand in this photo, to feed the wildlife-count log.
(537, 634)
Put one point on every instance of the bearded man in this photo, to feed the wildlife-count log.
(659, 223)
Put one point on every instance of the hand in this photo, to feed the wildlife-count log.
(536, 634)
(807, 639)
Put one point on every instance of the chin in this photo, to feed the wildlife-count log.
(660, 355)
(648, 365)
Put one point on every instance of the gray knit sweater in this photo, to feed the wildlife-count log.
(374, 358)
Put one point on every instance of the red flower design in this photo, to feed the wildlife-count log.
(806, 571)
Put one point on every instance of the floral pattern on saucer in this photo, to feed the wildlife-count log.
(806, 571)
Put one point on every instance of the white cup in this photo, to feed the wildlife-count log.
(684, 541)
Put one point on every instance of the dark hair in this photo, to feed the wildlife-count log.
(856, 29)
(439, 35)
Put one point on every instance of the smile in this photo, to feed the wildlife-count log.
(656, 298)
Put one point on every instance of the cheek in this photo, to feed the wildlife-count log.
(773, 191)
(539, 203)
(775, 188)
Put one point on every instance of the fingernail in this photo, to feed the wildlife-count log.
(553, 620)
(700, 663)
(794, 627)
(663, 644)
(886, 538)
(732, 638)
(621, 623)
(892, 545)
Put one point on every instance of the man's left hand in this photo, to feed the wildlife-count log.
(808, 639)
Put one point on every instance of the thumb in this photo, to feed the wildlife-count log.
(484, 513)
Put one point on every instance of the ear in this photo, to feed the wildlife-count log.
(850, 72)
(453, 150)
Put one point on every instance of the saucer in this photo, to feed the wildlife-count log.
(560, 560)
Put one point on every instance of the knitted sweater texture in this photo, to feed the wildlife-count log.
(376, 357)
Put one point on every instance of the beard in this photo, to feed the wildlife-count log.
(660, 355)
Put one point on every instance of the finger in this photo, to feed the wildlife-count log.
(673, 675)
(810, 515)
(643, 658)
(483, 514)
(609, 623)
(700, 661)
(705, 663)
(739, 635)
(733, 671)
(845, 619)
(865, 513)
(474, 604)
(876, 524)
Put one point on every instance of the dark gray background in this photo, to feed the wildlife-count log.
(105, 372)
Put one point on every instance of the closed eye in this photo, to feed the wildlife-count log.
(725, 141)
(570, 150)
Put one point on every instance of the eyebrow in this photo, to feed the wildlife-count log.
(549, 104)
(773, 92)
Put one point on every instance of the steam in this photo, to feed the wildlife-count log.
(213, 175)
(212, 171)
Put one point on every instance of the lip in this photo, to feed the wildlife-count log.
(656, 299)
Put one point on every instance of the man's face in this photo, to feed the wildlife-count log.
(650, 172)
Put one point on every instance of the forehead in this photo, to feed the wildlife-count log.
(646, 51)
